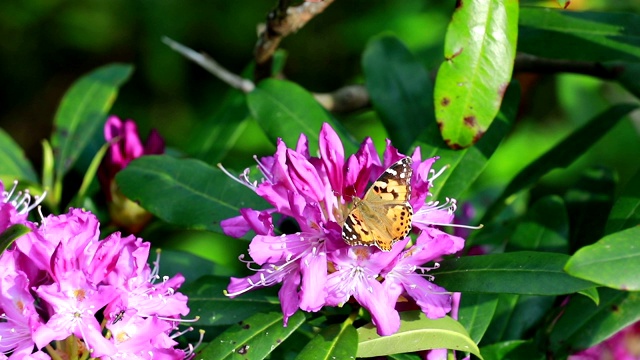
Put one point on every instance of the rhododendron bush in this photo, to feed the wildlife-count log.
(428, 207)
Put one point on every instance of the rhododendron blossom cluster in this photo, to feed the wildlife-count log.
(314, 265)
(94, 298)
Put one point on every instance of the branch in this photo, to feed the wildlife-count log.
(281, 22)
(212, 66)
(344, 100)
(534, 64)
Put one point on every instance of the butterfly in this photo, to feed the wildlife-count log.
(383, 215)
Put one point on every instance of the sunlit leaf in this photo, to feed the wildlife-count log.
(471, 82)
(14, 164)
(185, 192)
(253, 338)
(11, 234)
(83, 110)
(465, 165)
(525, 272)
(416, 333)
(339, 341)
(400, 88)
(613, 261)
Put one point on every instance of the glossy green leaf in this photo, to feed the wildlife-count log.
(466, 165)
(416, 333)
(11, 234)
(475, 313)
(561, 155)
(339, 341)
(626, 74)
(584, 324)
(286, 110)
(592, 294)
(185, 192)
(544, 228)
(400, 89)
(253, 338)
(89, 176)
(589, 202)
(214, 137)
(626, 210)
(477, 68)
(564, 3)
(516, 316)
(83, 110)
(584, 35)
(214, 308)
(404, 357)
(525, 272)
(192, 267)
(512, 350)
(14, 164)
(614, 261)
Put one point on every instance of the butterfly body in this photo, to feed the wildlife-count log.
(383, 216)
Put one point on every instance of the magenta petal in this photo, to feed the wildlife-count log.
(434, 300)
(437, 243)
(305, 176)
(154, 144)
(132, 145)
(391, 155)
(385, 317)
(288, 295)
(314, 278)
(270, 249)
(332, 155)
(235, 227)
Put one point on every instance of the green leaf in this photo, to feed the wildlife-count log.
(584, 324)
(83, 110)
(339, 341)
(614, 261)
(592, 294)
(286, 110)
(626, 74)
(562, 154)
(14, 164)
(475, 313)
(214, 308)
(213, 138)
(626, 210)
(584, 35)
(472, 81)
(400, 89)
(253, 338)
(512, 350)
(11, 234)
(416, 333)
(192, 267)
(544, 228)
(589, 203)
(89, 176)
(516, 316)
(525, 272)
(185, 192)
(466, 165)
(564, 3)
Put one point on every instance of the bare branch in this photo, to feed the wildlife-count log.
(281, 22)
(212, 66)
(534, 64)
(344, 100)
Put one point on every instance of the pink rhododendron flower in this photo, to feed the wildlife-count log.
(125, 147)
(315, 266)
(86, 287)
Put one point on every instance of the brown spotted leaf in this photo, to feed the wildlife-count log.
(479, 54)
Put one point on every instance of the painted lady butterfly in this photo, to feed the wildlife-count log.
(383, 216)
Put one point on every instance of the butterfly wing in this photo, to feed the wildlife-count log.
(383, 216)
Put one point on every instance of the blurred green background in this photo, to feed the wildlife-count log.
(50, 43)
